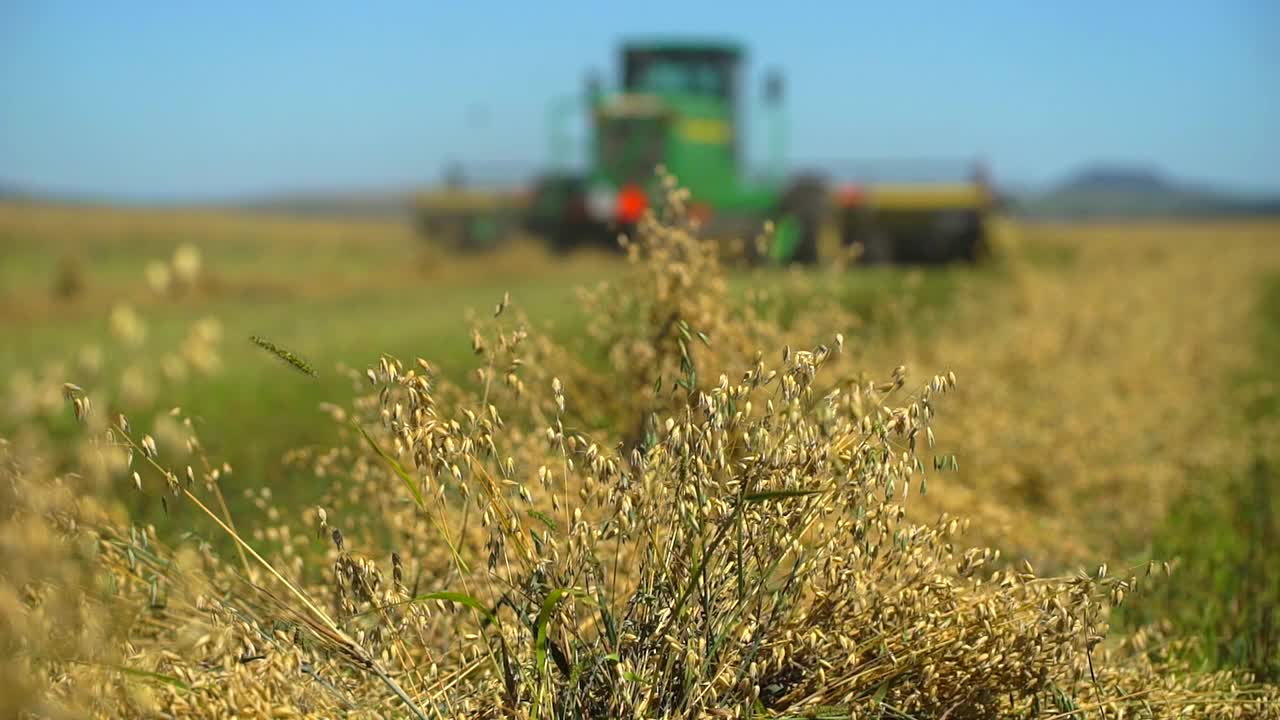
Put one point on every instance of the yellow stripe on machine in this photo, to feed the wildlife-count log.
(468, 200)
(705, 130)
(927, 197)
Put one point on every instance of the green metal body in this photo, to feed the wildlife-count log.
(697, 144)
(677, 104)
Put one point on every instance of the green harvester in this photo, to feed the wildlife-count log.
(679, 104)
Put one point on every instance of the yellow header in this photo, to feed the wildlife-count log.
(927, 197)
(467, 200)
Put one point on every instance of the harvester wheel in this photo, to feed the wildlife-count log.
(877, 247)
(806, 202)
(567, 238)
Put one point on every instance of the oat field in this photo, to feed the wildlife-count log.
(659, 486)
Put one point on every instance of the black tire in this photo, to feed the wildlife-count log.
(550, 212)
(977, 249)
(954, 237)
(569, 238)
(877, 248)
(559, 241)
(807, 200)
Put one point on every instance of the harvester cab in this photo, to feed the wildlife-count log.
(676, 104)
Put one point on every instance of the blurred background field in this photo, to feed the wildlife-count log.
(327, 289)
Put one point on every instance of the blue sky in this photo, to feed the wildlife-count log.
(187, 100)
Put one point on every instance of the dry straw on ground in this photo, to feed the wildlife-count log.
(725, 525)
(1089, 396)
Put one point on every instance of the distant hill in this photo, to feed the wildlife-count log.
(1118, 179)
(1117, 192)
(11, 192)
(22, 194)
(369, 204)
(320, 204)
